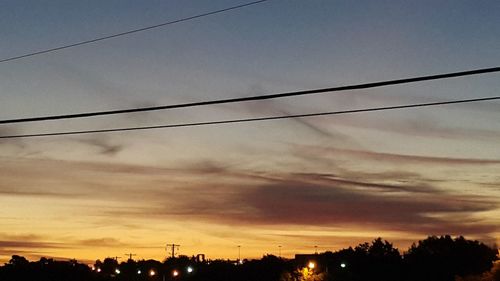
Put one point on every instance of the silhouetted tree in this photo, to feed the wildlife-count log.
(20, 269)
(492, 275)
(18, 261)
(376, 261)
(109, 266)
(443, 258)
(268, 268)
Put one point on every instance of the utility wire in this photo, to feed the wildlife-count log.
(130, 31)
(244, 120)
(259, 97)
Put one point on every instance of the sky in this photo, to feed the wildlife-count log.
(330, 182)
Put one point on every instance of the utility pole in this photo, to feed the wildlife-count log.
(130, 256)
(315, 250)
(279, 250)
(116, 258)
(171, 248)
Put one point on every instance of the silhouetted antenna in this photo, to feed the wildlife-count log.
(171, 248)
(130, 255)
(116, 258)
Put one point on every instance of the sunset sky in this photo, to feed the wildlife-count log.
(331, 181)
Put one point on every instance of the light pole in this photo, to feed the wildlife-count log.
(279, 251)
(239, 253)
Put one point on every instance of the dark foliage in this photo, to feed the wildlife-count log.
(443, 258)
(20, 269)
(376, 261)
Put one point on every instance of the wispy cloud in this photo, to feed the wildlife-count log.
(11, 130)
(318, 200)
(105, 145)
(367, 155)
(101, 242)
(29, 245)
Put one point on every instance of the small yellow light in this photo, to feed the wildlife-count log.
(152, 273)
(175, 273)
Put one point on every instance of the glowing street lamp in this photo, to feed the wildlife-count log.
(139, 271)
(189, 269)
(152, 273)
(117, 271)
(175, 273)
(343, 265)
(311, 265)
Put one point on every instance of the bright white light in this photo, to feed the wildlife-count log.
(189, 269)
(139, 271)
(117, 271)
(152, 273)
(343, 265)
(311, 265)
(98, 270)
(175, 273)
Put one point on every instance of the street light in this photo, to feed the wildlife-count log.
(189, 269)
(311, 265)
(117, 271)
(343, 265)
(175, 273)
(139, 271)
(152, 273)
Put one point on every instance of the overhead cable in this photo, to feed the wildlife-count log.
(107, 37)
(244, 120)
(259, 97)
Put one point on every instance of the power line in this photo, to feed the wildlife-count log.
(130, 31)
(259, 97)
(244, 120)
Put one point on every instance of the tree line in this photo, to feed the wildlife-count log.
(433, 259)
